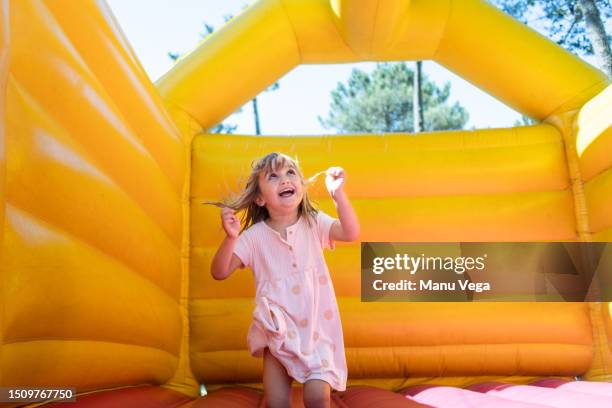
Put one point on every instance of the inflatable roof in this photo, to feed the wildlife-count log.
(105, 248)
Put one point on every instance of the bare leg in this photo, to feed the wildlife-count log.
(277, 383)
(316, 394)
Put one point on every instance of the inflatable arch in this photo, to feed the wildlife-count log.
(105, 255)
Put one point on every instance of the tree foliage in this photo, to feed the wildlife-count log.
(560, 20)
(382, 102)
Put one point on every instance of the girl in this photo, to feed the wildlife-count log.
(296, 326)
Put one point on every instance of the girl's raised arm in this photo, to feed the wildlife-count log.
(225, 261)
(348, 227)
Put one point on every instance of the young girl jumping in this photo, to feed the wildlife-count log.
(296, 325)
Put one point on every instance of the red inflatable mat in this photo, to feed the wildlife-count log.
(353, 397)
(142, 397)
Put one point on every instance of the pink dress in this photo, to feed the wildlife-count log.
(296, 313)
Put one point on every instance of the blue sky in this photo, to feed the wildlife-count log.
(155, 27)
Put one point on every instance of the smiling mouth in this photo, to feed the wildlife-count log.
(287, 193)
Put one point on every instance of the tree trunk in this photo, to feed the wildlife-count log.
(597, 34)
(256, 115)
(417, 99)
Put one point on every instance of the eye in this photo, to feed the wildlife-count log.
(271, 175)
(291, 171)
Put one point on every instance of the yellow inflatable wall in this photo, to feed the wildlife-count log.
(106, 250)
(95, 168)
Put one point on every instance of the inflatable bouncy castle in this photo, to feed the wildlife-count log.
(105, 281)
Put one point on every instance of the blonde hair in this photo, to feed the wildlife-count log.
(245, 201)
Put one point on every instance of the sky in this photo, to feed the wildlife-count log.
(156, 27)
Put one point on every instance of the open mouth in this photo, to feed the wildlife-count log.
(288, 192)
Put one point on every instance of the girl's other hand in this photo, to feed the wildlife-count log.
(334, 179)
(230, 222)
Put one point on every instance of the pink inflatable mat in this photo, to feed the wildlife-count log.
(549, 392)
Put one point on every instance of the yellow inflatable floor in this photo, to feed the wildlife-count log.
(105, 248)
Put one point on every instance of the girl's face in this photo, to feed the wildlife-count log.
(281, 190)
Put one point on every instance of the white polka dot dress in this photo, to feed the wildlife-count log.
(296, 313)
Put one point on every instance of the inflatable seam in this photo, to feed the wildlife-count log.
(577, 96)
(373, 32)
(295, 36)
(393, 349)
(451, 3)
(600, 173)
(88, 340)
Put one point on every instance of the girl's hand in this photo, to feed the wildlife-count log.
(334, 180)
(230, 222)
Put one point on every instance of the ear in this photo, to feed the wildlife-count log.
(259, 200)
